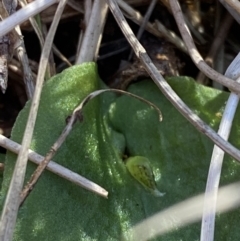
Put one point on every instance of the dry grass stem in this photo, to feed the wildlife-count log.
(55, 168)
(195, 55)
(39, 34)
(231, 10)
(184, 213)
(24, 14)
(195, 32)
(87, 15)
(138, 19)
(11, 205)
(93, 34)
(208, 220)
(28, 77)
(165, 88)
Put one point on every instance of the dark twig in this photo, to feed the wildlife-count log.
(218, 41)
(144, 23)
(77, 114)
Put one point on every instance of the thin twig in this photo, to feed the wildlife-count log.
(195, 55)
(22, 54)
(28, 77)
(39, 34)
(93, 34)
(77, 114)
(169, 35)
(208, 219)
(218, 41)
(194, 31)
(11, 205)
(55, 168)
(144, 23)
(165, 88)
(136, 17)
(50, 69)
(24, 14)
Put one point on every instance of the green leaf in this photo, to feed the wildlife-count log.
(2, 158)
(178, 154)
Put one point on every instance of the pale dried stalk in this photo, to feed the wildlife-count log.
(87, 15)
(195, 55)
(10, 209)
(39, 34)
(231, 10)
(184, 213)
(165, 88)
(208, 219)
(93, 34)
(55, 168)
(24, 14)
(194, 31)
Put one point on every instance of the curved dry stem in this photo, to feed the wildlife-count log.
(165, 88)
(214, 174)
(10, 209)
(98, 92)
(195, 55)
(77, 114)
(231, 10)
